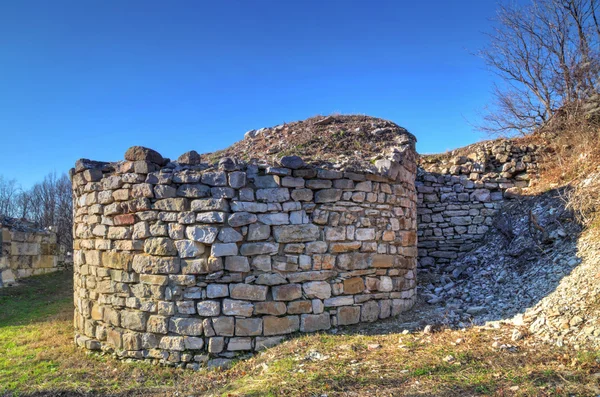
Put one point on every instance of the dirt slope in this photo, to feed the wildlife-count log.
(337, 140)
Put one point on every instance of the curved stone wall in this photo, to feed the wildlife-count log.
(183, 262)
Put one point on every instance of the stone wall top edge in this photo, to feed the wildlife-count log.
(384, 167)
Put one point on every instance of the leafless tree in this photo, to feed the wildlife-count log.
(8, 192)
(48, 203)
(547, 55)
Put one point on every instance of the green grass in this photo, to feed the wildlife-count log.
(37, 355)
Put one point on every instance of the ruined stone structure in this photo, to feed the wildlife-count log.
(26, 250)
(460, 192)
(184, 262)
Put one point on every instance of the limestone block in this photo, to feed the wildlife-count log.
(315, 322)
(280, 325)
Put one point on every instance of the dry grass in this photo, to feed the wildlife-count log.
(37, 356)
(572, 158)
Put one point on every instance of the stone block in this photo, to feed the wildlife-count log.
(280, 325)
(287, 292)
(315, 322)
(248, 292)
(237, 308)
(209, 308)
(296, 233)
(347, 315)
(248, 326)
(317, 289)
(185, 326)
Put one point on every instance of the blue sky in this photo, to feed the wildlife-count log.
(91, 78)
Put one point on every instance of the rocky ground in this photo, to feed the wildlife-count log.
(337, 141)
(535, 271)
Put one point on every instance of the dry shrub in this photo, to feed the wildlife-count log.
(572, 158)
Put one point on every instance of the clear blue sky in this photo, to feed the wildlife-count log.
(88, 78)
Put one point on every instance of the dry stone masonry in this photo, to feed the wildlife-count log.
(26, 250)
(459, 193)
(188, 263)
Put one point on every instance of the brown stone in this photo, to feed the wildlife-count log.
(354, 285)
(140, 153)
(280, 325)
(126, 219)
(347, 315)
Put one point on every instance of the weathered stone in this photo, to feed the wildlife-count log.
(277, 218)
(347, 315)
(248, 206)
(189, 248)
(248, 292)
(201, 266)
(317, 289)
(160, 246)
(211, 217)
(133, 320)
(223, 326)
(293, 162)
(315, 322)
(262, 343)
(140, 153)
(248, 327)
(215, 178)
(216, 345)
(237, 308)
(369, 311)
(209, 308)
(339, 301)
(288, 292)
(354, 285)
(237, 264)
(270, 279)
(295, 233)
(280, 325)
(237, 179)
(299, 307)
(229, 235)
(185, 326)
(302, 194)
(172, 204)
(194, 190)
(236, 344)
(189, 158)
(210, 204)
(225, 249)
(217, 290)
(258, 232)
(202, 234)
(175, 343)
(250, 249)
(193, 343)
(271, 308)
(328, 195)
(155, 265)
(273, 195)
(241, 219)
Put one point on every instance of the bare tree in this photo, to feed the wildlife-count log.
(8, 192)
(48, 203)
(548, 58)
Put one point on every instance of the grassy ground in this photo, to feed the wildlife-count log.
(37, 357)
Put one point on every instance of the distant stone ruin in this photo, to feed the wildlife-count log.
(459, 194)
(185, 262)
(26, 250)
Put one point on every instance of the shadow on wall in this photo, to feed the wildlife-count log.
(530, 246)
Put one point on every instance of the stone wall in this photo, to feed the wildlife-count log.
(26, 251)
(186, 263)
(460, 192)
